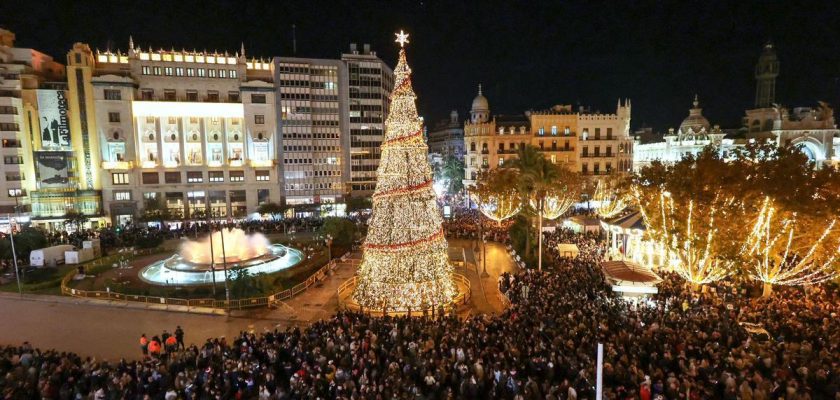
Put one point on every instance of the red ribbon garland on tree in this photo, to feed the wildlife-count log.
(405, 244)
(405, 190)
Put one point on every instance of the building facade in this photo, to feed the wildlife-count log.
(446, 139)
(693, 135)
(593, 144)
(369, 82)
(192, 132)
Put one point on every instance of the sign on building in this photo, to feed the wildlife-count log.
(55, 124)
(53, 168)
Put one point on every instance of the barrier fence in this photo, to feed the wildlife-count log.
(264, 301)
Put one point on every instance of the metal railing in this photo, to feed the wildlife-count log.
(251, 302)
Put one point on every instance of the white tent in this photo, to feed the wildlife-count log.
(568, 250)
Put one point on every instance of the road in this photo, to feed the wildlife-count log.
(102, 331)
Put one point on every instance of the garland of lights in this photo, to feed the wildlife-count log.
(610, 203)
(554, 204)
(689, 253)
(777, 253)
(405, 265)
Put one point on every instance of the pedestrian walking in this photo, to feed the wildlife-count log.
(179, 336)
(144, 345)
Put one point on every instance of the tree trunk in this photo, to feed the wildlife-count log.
(768, 289)
(540, 238)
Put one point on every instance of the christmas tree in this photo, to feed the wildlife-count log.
(405, 265)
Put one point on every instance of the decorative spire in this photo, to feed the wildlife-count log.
(130, 42)
(696, 102)
(242, 49)
(402, 38)
(479, 89)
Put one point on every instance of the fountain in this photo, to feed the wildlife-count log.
(195, 264)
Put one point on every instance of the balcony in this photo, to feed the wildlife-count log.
(558, 149)
(262, 163)
(111, 165)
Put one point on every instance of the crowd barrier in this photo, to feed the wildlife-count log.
(264, 301)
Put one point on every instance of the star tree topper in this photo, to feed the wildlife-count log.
(402, 38)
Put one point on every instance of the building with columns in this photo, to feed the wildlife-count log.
(591, 143)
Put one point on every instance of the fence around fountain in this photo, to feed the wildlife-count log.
(251, 302)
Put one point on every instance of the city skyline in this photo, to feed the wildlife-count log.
(527, 56)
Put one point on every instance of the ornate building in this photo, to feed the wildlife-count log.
(591, 143)
(694, 134)
(447, 138)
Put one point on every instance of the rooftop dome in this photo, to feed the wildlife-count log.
(480, 102)
(695, 122)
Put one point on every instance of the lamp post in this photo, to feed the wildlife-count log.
(14, 254)
(329, 241)
(481, 237)
(224, 266)
(212, 253)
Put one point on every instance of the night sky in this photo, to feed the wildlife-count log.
(528, 55)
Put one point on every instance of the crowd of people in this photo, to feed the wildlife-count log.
(470, 223)
(679, 344)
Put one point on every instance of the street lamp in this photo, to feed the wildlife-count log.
(14, 254)
(329, 241)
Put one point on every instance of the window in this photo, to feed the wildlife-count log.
(609, 152)
(566, 131)
(609, 133)
(190, 71)
(147, 94)
(554, 130)
(179, 71)
(16, 192)
(585, 151)
(541, 131)
(212, 95)
(147, 70)
(258, 98)
(237, 176)
(12, 160)
(233, 97)
(211, 73)
(259, 119)
(201, 73)
(172, 177)
(169, 94)
(122, 195)
(472, 146)
(156, 70)
(167, 71)
(584, 168)
(119, 178)
(192, 95)
(195, 177)
(217, 176)
(233, 73)
(112, 94)
(151, 178)
(222, 73)
(113, 117)
(262, 176)
(597, 133)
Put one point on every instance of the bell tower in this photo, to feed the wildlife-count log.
(766, 72)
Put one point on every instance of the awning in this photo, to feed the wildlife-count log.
(628, 272)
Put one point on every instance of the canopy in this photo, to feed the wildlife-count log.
(568, 250)
(631, 223)
(630, 278)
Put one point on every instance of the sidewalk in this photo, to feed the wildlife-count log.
(44, 298)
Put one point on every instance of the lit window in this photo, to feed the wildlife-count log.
(541, 131)
(262, 175)
(195, 177)
(179, 71)
(237, 176)
(157, 70)
(119, 178)
(217, 176)
(222, 73)
(201, 72)
(554, 130)
(167, 71)
(123, 195)
(211, 73)
(147, 70)
(232, 73)
(190, 71)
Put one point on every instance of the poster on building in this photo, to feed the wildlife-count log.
(53, 168)
(55, 125)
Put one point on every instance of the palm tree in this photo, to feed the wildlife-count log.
(550, 189)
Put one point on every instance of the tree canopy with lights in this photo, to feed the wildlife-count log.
(497, 194)
(405, 264)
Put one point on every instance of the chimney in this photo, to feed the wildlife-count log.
(367, 48)
(353, 48)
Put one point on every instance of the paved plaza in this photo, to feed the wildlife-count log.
(111, 330)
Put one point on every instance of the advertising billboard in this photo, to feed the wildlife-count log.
(53, 168)
(54, 115)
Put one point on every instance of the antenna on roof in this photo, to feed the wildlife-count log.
(294, 40)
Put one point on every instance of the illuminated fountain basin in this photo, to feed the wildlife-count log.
(193, 264)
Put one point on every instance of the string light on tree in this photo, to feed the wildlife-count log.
(405, 265)
(496, 194)
(610, 202)
(780, 257)
(689, 239)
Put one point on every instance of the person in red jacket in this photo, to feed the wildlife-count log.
(154, 347)
(170, 344)
(144, 345)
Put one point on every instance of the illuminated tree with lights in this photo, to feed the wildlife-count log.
(782, 252)
(405, 265)
(689, 236)
(497, 195)
(611, 200)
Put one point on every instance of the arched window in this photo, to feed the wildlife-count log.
(472, 146)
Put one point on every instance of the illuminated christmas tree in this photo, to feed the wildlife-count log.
(405, 263)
